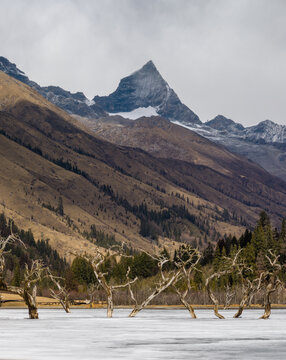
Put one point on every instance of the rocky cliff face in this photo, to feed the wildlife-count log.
(146, 88)
(76, 103)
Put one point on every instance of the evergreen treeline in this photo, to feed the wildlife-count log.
(100, 238)
(20, 255)
(254, 248)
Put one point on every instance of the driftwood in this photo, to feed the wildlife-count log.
(187, 267)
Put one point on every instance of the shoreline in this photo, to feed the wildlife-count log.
(11, 301)
(21, 305)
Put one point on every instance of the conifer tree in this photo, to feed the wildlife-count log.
(282, 242)
(60, 208)
(259, 240)
(217, 258)
(16, 281)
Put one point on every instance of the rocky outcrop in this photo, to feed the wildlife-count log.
(76, 103)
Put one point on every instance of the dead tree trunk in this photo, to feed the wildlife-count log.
(193, 257)
(11, 239)
(229, 265)
(267, 303)
(91, 294)
(96, 261)
(213, 297)
(110, 306)
(28, 291)
(272, 282)
(250, 288)
(159, 289)
(32, 276)
(183, 300)
(163, 284)
(244, 301)
(229, 295)
(29, 297)
(62, 295)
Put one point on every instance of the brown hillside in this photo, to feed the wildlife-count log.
(202, 162)
(44, 156)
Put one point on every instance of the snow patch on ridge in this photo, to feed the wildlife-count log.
(202, 130)
(89, 102)
(137, 113)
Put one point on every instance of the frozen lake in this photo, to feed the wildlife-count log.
(153, 334)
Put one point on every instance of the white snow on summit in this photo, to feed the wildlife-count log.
(89, 102)
(137, 113)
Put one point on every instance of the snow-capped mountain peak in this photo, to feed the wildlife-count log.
(146, 88)
(266, 131)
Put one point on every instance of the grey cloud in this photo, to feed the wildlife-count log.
(221, 56)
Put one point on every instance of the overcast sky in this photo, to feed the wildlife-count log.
(220, 56)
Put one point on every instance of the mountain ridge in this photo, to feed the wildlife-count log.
(73, 103)
(143, 88)
(264, 143)
(120, 189)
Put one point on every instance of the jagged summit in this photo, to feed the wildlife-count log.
(148, 67)
(11, 69)
(267, 123)
(222, 123)
(6, 66)
(147, 88)
(267, 131)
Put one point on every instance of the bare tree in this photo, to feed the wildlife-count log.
(61, 294)
(11, 239)
(187, 266)
(229, 265)
(229, 295)
(96, 262)
(250, 288)
(91, 290)
(166, 280)
(28, 291)
(271, 282)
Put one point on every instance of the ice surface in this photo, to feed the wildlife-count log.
(153, 334)
(137, 113)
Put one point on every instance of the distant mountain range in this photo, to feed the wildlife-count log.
(146, 93)
(264, 143)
